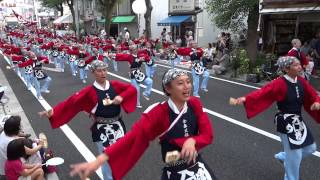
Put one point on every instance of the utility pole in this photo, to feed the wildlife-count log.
(76, 13)
(35, 6)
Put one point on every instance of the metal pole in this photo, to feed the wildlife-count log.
(138, 25)
(76, 13)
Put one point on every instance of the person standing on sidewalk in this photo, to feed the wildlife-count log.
(296, 52)
(291, 92)
(103, 102)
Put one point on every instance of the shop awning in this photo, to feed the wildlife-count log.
(289, 10)
(123, 19)
(66, 19)
(118, 19)
(174, 20)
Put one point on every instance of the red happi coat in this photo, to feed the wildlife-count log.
(92, 58)
(87, 98)
(130, 58)
(186, 51)
(294, 52)
(30, 61)
(259, 100)
(128, 150)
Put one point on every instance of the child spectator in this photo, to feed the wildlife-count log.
(11, 131)
(14, 168)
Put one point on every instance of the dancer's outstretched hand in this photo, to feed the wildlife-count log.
(47, 114)
(238, 101)
(315, 106)
(85, 169)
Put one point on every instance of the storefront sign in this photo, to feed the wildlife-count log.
(181, 5)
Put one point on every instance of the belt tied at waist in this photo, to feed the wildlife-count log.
(104, 120)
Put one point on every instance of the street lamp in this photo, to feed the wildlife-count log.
(139, 7)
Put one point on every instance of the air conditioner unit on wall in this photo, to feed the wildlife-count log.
(193, 18)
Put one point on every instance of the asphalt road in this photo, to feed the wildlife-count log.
(236, 152)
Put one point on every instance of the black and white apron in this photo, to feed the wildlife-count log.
(108, 126)
(198, 67)
(136, 73)
(180, 170)
(38, 72)
(289, 120)
(82, 62)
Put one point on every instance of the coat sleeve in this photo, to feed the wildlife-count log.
(44, 59)
(184, 51)
(128, 150)
(66, 110)
(25, 64)
(90, 59)
(16, 58)
(205, 135)
(128, 93)
(124, 57)
(310, 97)
(259, 100)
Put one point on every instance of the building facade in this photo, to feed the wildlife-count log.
(283, 20)
(180, 16)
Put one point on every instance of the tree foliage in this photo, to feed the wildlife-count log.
(231, 14)
(237, 15)
(56, 4)
(106, 7)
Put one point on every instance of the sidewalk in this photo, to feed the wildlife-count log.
(185, 65)
(314, 81)
(13, 107)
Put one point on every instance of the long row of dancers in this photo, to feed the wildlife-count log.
(183, 128)
(29, 50)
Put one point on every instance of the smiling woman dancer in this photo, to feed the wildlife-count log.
(291, 92)
(183, 129)
(103, 102)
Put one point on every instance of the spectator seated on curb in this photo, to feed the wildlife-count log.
(11, 131)
(222, 63)
(15, 168)
(3, 98)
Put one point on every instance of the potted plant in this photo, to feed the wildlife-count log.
(239, 62)
(255, 75)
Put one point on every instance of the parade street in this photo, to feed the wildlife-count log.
(242, 149)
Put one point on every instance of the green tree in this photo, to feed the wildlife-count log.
(70, 4)
(107, 8)
(237, 15)
(147, 17)
(56, 4)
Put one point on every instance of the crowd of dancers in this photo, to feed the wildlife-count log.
(183, 128)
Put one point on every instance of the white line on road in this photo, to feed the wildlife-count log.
(220, 79)
(76, 141)
(229, 119)
(88, 155)
(51, 69)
